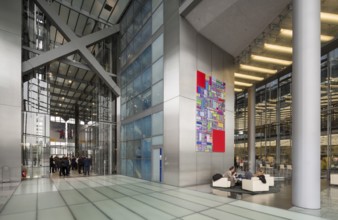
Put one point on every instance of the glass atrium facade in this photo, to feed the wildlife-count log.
(141, 71)
(274, 119)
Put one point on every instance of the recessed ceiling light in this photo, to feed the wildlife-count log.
(278, 48)
(271, 60)
(244, 76)
(237, 83)
(288, 33)
(257, 69)
(69, 81)
(329, 17)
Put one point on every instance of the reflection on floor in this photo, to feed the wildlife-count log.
(283, 199)
(121, 197)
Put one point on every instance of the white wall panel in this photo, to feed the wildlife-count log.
(10, 69)
(229, 78)
(230, 132)
(171, 155)
(203, 166)
(171, 57)
(217, 61)
(187, 142)
(217, 163)
(188, 60)
(10, 16)
(203, 54)
(10, 88)
(10, 140)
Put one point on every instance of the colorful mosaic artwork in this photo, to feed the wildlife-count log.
(210, 118)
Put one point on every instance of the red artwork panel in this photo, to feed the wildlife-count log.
(200, 79)
(218, 138)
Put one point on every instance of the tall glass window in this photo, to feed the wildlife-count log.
(141, 77)
(274, 120)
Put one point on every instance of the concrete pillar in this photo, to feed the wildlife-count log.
(252, 128)
(277, 159)
(76, 130)
(306, 104)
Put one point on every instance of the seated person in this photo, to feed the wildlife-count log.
(260, 175)
(231, 175)
(248, 175)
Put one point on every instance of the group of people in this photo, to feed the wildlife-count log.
(64, 164)
(235, 179)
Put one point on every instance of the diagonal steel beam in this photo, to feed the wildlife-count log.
(62, 60)
(74, 44)
(47, 57)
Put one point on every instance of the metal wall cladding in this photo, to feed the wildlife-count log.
(10, 141)
(10, 90)
(170, 158)
(187, 136)
(185, 52)
(171, 145)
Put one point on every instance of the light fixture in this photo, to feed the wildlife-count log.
(69, 81)
(238, 90)
(244, 76)
(278, 48)
(60, 104)
(271, 60)
(63, 97)
(56, 113)
(288, 33)
(257, 69)
(237, 83)
(329, 18)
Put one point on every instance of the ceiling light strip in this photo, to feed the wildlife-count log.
(329, 17)
(288, 33)
(244, 76)
(271, 60)
(237, 83)
(257, 69)
(278, 48)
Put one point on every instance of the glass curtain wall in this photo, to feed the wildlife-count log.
(46, 135)
(35, 134)
(35, 97)
(274, 124)
(141, 77)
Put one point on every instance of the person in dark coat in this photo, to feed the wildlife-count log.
(80, 164)
(86, 165)
(51, 164)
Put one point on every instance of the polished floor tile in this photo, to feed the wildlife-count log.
(20, 203)
(55, 214)
(197, 216)
(163, 206)
(116, 211)
(144, 210)
(50, 200)
(87, 211)
(121, 197)
(19, 216)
